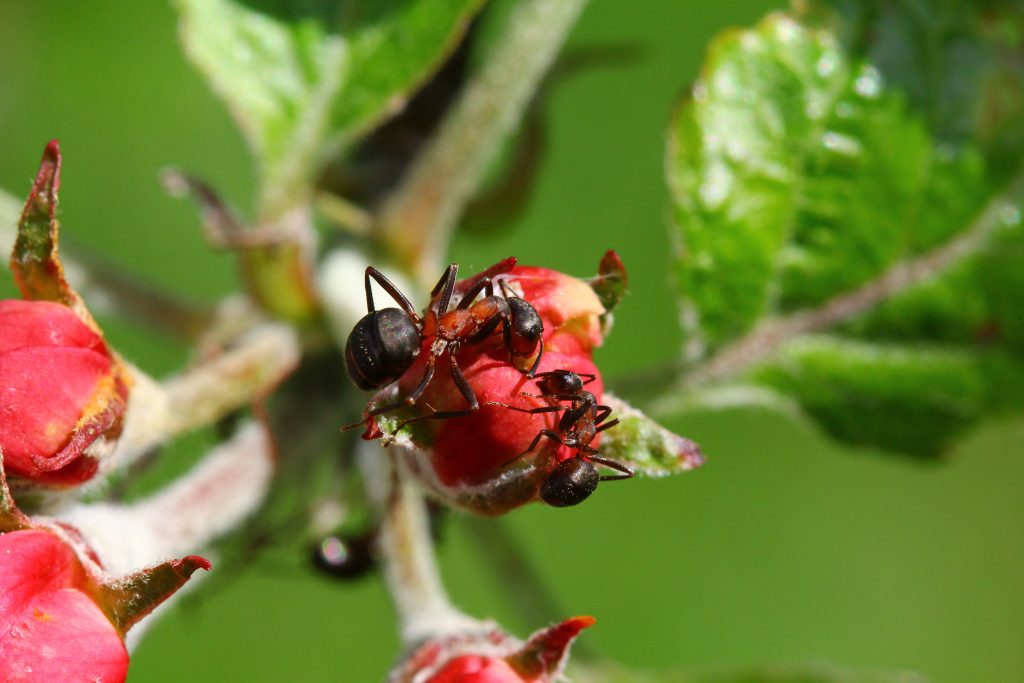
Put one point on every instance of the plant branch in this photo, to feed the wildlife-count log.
(761, 342)
(238, 377)
(417, 220)
(410, 567)
(206, 503)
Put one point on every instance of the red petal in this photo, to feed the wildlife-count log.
(49, 629)
(44, 323)
(477, 669)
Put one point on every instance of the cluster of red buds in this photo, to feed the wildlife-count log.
(500, 394)
(76, 576)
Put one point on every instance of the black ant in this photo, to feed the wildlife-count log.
(384, 344)
(574, 479)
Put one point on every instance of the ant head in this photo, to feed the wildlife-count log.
(381, 347)
(570, 483)
(560, 382)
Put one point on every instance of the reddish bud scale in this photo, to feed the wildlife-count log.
(62, 389)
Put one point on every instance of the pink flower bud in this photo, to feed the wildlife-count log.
(477, 669)
(567, 305)
(61, 390)
(493, 657)
(51, 629)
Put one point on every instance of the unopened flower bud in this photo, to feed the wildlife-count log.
(62, 393)
(493, 657)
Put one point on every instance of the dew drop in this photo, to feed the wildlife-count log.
(826, 65)
(1009, 215)
(841, 144)
(868, 83)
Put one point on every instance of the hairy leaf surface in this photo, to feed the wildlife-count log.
(302, 79)
(829, 177)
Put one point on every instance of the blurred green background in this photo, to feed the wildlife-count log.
(783, 548)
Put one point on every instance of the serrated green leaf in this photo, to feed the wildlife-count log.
(797, 176)
(303, 79)
(811, 194)
(645, 446)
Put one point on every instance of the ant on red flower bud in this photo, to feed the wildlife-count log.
(572, 480)
(384, 344)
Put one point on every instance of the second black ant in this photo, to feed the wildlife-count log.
(574, 479)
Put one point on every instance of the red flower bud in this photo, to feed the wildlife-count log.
(61, 390)
(51, 629)
(477, 669)
(493, 657)
(497, 458)
(566, 304)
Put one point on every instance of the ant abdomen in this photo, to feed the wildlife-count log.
(570, 483)
(381, 347)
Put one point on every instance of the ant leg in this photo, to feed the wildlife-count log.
(534, 411)
(446, 285)
(627, 473)
(602, 414)
(462, 384)
(404, 403)
(472, 292)
(607, 425)
(536, 363)
(436, 415)
(554, 436)
(389, 287)
(428, 375)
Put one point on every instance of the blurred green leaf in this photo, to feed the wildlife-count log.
(303, 79)
(812, 193)
(795, 673)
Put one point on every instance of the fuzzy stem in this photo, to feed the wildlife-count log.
(410, 567)
(209, 501)
(207, 392)
(10, 209)
(417, 221)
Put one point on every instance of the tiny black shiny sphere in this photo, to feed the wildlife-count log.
(570, 483)
(381, 347)
(345, 557)
(526, 322)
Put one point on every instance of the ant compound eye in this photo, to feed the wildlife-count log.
(345, 557)
(571, 482)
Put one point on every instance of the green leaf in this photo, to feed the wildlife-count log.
(909, 399)
(792, 673)
(304, 79)
(645, 446)
(816, 189)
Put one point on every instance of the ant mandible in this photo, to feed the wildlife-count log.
(574, 479)
(384, 344)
